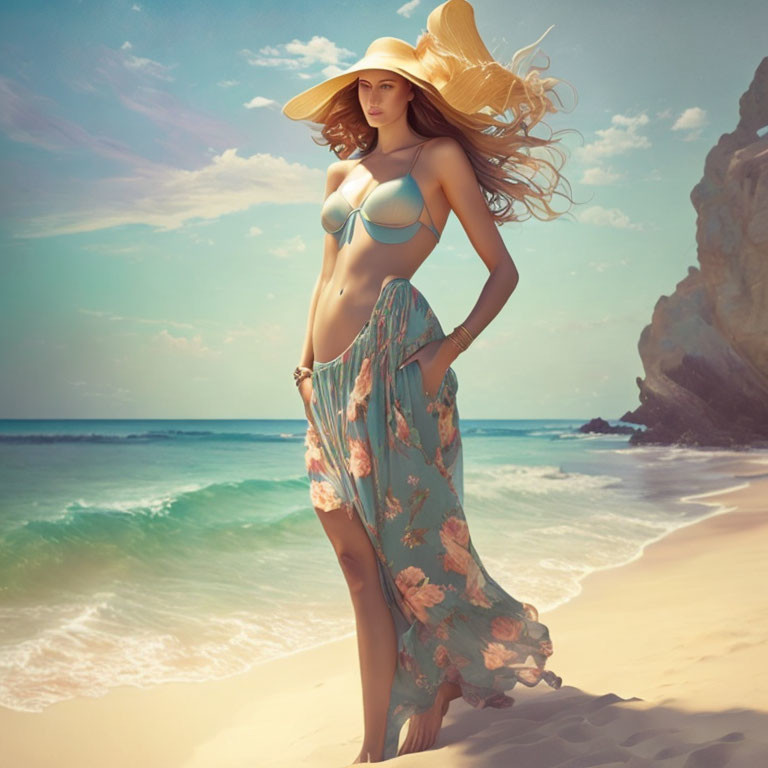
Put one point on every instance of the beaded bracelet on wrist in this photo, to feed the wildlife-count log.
(301, 372)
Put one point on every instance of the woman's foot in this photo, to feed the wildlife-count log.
(423, 728)
(368, 756)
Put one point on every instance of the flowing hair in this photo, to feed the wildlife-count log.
(510, 164)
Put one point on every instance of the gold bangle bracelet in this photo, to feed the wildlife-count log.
(467, 331)
(458, 339)
(461, 336)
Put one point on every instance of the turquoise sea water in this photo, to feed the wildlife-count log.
(139, 552)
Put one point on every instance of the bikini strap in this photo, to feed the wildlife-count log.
(357, 156)
(416, 155)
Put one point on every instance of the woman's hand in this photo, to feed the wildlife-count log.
(305, 392)
(435, 358)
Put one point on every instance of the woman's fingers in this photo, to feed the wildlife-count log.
(426, 364)
(431, 380)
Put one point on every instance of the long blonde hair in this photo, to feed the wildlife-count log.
(499, 149)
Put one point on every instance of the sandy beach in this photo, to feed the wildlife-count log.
(664, 661)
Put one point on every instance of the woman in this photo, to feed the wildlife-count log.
(384, 452)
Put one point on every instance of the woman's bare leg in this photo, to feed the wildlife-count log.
(376, 639)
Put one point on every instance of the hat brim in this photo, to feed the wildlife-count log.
(310, 104)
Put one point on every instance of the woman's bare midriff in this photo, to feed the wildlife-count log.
(363, 268)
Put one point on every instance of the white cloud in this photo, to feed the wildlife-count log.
(227, 83)
(270, 331)
(148, 66)
(622, 137)
(693, 117)
(135, 7)
(331, 70)
(260, 101)
(692, 120)
(299, 55)
(113, 317)
(126, 46)
(166, 198)
(243, 332)
(598, 176)
(191, 346)
(290, 248)
(319, 50)
(606, 217)
(408, 9)
(198, 240)
(254, 231)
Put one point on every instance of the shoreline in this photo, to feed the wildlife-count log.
(666, 653)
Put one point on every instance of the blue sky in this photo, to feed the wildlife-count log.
(160, 227)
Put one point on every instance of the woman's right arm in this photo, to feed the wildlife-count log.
(333, 178)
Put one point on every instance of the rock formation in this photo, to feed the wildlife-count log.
(601, 426)
(705, 352)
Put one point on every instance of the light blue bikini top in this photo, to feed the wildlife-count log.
(391, 211)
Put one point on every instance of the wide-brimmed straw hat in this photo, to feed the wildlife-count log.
(452, 62)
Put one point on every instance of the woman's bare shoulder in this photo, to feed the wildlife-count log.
(443, 146)
(336, 173)
(444, 153)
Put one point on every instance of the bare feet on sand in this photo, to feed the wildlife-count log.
(423, 728)
(366, 756)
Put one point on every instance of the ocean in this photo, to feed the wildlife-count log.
(141, 552)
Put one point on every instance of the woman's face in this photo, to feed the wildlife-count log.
(383, 95)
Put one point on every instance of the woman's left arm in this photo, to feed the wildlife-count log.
(460, 186)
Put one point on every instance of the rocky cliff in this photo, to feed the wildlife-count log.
(705, 352)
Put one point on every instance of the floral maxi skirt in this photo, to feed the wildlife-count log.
(382, 449)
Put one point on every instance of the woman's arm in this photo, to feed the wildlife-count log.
(307, 352)
(461, 188)
(333, 178)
